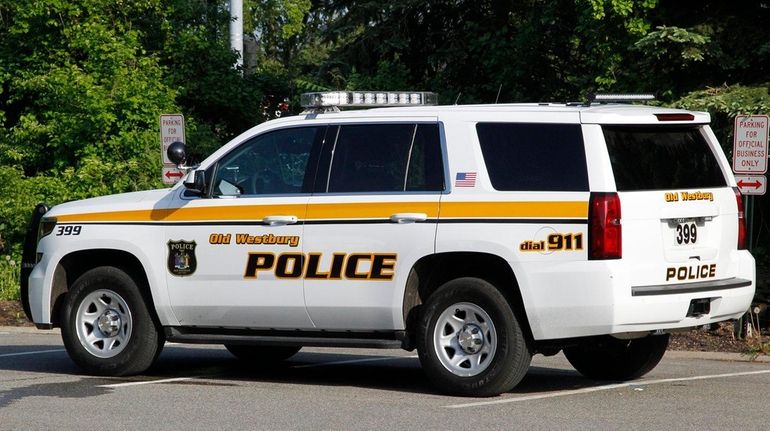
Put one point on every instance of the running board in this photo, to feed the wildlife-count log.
(206, 335)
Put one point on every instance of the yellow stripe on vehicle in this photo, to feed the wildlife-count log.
(370, 210)
(217, 213)
(347, 211)
(536, 209)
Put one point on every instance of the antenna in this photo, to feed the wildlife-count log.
(498, 93)
(458, 97)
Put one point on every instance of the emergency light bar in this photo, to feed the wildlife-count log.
(615, 98)
(366, 99)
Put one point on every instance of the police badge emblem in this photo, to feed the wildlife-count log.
(181, 258)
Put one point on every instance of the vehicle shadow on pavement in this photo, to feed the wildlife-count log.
(395, 373)
(216, 367)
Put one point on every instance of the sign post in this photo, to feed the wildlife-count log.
(750, 157)
(171, 130)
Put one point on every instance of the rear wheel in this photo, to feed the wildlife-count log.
(107, 328)
(609, 358)
(262, 354)
(469, 340)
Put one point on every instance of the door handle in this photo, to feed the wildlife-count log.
(279, 220)
(402, 218)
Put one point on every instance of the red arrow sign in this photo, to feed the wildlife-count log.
(751, 184)
(171, 174)
(754, 184)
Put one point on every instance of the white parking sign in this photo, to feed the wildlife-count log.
(750, 144)
(171, 130)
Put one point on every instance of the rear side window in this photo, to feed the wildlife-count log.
(661, 158)
(534, 157)
(386, 158)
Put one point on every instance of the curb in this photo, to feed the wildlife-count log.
(716, 356)
(28, 330)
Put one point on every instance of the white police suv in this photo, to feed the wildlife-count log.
(479, 235)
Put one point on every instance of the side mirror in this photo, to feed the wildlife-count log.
(195, 181)
(177, 153)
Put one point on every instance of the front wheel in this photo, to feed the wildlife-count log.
(609, 358)
(106, 326)
(469, 340)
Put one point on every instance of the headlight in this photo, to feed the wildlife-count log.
(46, 226)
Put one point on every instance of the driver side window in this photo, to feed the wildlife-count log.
(274, 163)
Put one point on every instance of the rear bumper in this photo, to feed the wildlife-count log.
(697, 287)
(579, 299)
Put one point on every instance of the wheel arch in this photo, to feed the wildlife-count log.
(77, 263)
(430, 272)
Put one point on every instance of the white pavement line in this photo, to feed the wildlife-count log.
(353, 361)
(37, 352)
(149, 382)
(604, 388)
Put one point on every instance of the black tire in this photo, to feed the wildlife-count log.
(262, 354)
(106, 326)
(453, 335)
(609, 358)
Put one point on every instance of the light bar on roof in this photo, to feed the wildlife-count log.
(366, 99)
(609, 98)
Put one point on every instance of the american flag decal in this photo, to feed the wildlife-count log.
(465, 179)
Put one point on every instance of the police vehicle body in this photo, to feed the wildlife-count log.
(479, 235)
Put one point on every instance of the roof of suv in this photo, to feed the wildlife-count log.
(594, 114)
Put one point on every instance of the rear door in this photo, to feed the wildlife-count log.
(679, 214)
(373, 215)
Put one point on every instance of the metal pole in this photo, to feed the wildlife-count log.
(236, 30)
(749, 213)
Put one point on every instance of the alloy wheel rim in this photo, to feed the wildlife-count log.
(465, 339)
(103, 323)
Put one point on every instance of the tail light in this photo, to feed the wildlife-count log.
(605, 234)
(741, 220)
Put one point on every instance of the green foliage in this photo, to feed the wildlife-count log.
(389, 74)
(81, 98)
(678, 44)
(724, 103)
(9, 278)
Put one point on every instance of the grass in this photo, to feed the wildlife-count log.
(756, 343)
(9, 278)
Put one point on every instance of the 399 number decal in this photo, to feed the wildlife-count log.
(68, 230)
(686, 233)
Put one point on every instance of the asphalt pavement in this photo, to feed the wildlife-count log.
(204, 387)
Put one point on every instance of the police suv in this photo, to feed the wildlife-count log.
(478, 234)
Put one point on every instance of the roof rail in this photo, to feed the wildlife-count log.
(618, 98)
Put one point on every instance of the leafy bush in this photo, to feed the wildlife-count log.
(9, 278)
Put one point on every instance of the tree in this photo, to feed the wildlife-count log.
(80, 101)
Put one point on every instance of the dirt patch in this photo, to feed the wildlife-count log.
(720, 338)
(12, 314)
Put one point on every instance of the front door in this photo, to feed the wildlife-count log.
(235, 256)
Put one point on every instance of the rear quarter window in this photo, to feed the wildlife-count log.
(661, 158)
(534, 157)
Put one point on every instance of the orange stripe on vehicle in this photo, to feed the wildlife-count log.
(566, 209)
(371, 210)
(224, 213)
(331, 211)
